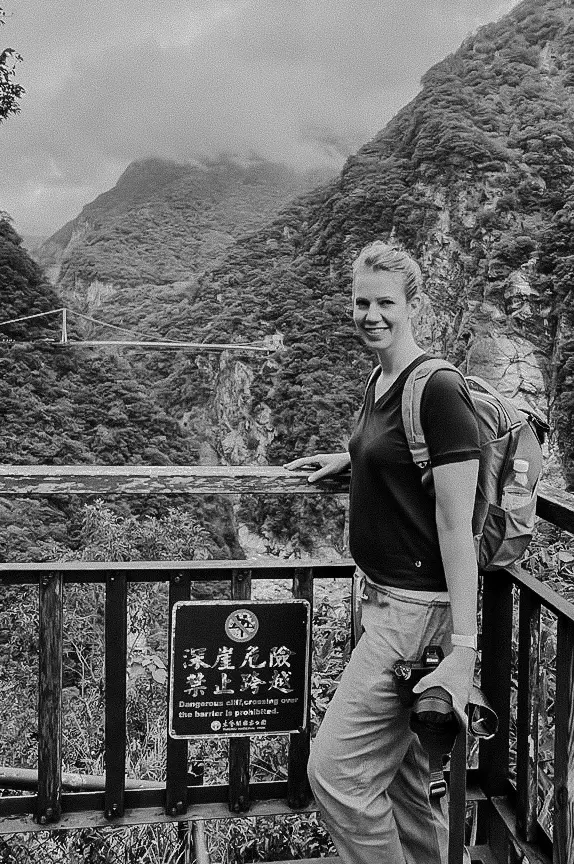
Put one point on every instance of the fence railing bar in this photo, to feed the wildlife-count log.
(298, 789)
(496, 665)
(550, 599)
(81, 815)
(176, 794)
(457, 800)
(563, 845)
(51, 639)
(161, 480)
(138, 799)
(528, 705)
(156, 571)
(556, 506)
(239, 748)
(27, 779)
(115, 665)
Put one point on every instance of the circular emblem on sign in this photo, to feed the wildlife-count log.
(215, 725)
(241, 625)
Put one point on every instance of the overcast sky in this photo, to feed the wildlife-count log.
(109, 81)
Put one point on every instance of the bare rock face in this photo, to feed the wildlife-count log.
(245, 430)
(231, 429)
(512, 365)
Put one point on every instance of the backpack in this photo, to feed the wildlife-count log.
(510, 439)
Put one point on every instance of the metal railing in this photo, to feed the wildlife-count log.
(507, 800)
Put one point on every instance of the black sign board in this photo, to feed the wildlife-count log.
(238, 667)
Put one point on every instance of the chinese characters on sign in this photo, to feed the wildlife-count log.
(238, 667)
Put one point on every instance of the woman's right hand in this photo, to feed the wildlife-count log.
(329, 464)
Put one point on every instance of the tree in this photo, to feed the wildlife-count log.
(10, 91)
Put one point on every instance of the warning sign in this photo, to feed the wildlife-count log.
(238, 668)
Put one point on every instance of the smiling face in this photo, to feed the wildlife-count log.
(381, 311)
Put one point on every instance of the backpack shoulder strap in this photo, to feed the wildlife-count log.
(411, 405)
(373, 375)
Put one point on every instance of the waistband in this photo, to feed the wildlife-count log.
(370, 591)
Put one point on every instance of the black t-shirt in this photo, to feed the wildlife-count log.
(392, 525)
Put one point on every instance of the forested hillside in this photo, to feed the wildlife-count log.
(62, 408)
(162, 223)
(474, 177)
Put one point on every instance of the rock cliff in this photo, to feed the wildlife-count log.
(473, 177)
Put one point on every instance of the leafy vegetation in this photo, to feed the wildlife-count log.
(10, 91)
(59, 408)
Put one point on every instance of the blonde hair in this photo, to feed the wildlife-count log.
(380, 256)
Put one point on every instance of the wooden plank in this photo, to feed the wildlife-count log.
(48, 805)
(554, 505)
(298, 789)
(135, 799)
(94, 818)
(27, 778)
(154, 571)
(527, 715)
(115, 664)
(496, 668)
(457, 801)
(153, 795)
(564, 746)
(239, 748)
(177, 749)
(161, 479)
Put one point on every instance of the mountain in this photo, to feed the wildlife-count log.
(62, 408)
(164, 221)
(475, 178)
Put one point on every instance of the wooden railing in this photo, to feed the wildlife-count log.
(512, 607)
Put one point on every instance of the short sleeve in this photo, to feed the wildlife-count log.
(449, 420)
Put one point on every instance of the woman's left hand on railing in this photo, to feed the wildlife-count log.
(329, 464)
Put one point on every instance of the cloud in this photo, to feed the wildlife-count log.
(109, 82)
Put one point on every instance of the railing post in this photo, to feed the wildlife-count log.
(200, 850)
(184, 843)
(528, 705)
(50, 698)
(176, 759)
(457, 801)
(298, 789)
(239, 748)
(495, 676)
(116, 663)
(563, 846)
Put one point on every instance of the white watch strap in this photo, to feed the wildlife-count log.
(464, 641)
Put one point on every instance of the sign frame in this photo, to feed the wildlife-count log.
(260, 605)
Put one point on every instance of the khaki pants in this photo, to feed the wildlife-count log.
(368, 771)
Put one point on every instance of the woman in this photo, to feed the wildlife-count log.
(415, 556)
